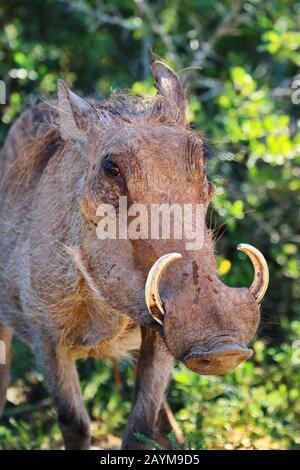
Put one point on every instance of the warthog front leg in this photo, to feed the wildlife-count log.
(153, 373)
(63, 384)
(6, 338)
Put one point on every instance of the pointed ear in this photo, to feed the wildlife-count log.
(169, 86)
(73, 113)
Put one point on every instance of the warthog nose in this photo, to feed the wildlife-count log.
(219, 360)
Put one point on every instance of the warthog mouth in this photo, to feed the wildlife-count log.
(219, 360)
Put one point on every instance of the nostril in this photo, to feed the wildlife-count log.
(204, 361)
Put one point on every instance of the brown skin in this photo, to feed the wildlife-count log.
(69, 295)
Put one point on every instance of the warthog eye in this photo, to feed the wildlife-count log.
(110, 168)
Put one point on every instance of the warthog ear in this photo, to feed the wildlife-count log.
(169, 86)
(73, 112)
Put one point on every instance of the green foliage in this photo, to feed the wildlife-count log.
(146, 440)
(244, 56)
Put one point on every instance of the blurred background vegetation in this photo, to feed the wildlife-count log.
(238, 59)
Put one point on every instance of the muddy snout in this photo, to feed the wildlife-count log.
(216, 361)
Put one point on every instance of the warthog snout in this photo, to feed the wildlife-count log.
(218, 360)
(206, 324)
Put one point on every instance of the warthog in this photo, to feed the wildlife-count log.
(68, 295)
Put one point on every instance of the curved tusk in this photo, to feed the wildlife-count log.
(261, 271)
(152, 296)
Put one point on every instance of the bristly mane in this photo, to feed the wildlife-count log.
(118, 109)
(135, 108)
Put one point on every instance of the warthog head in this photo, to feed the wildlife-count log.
(143, 149)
